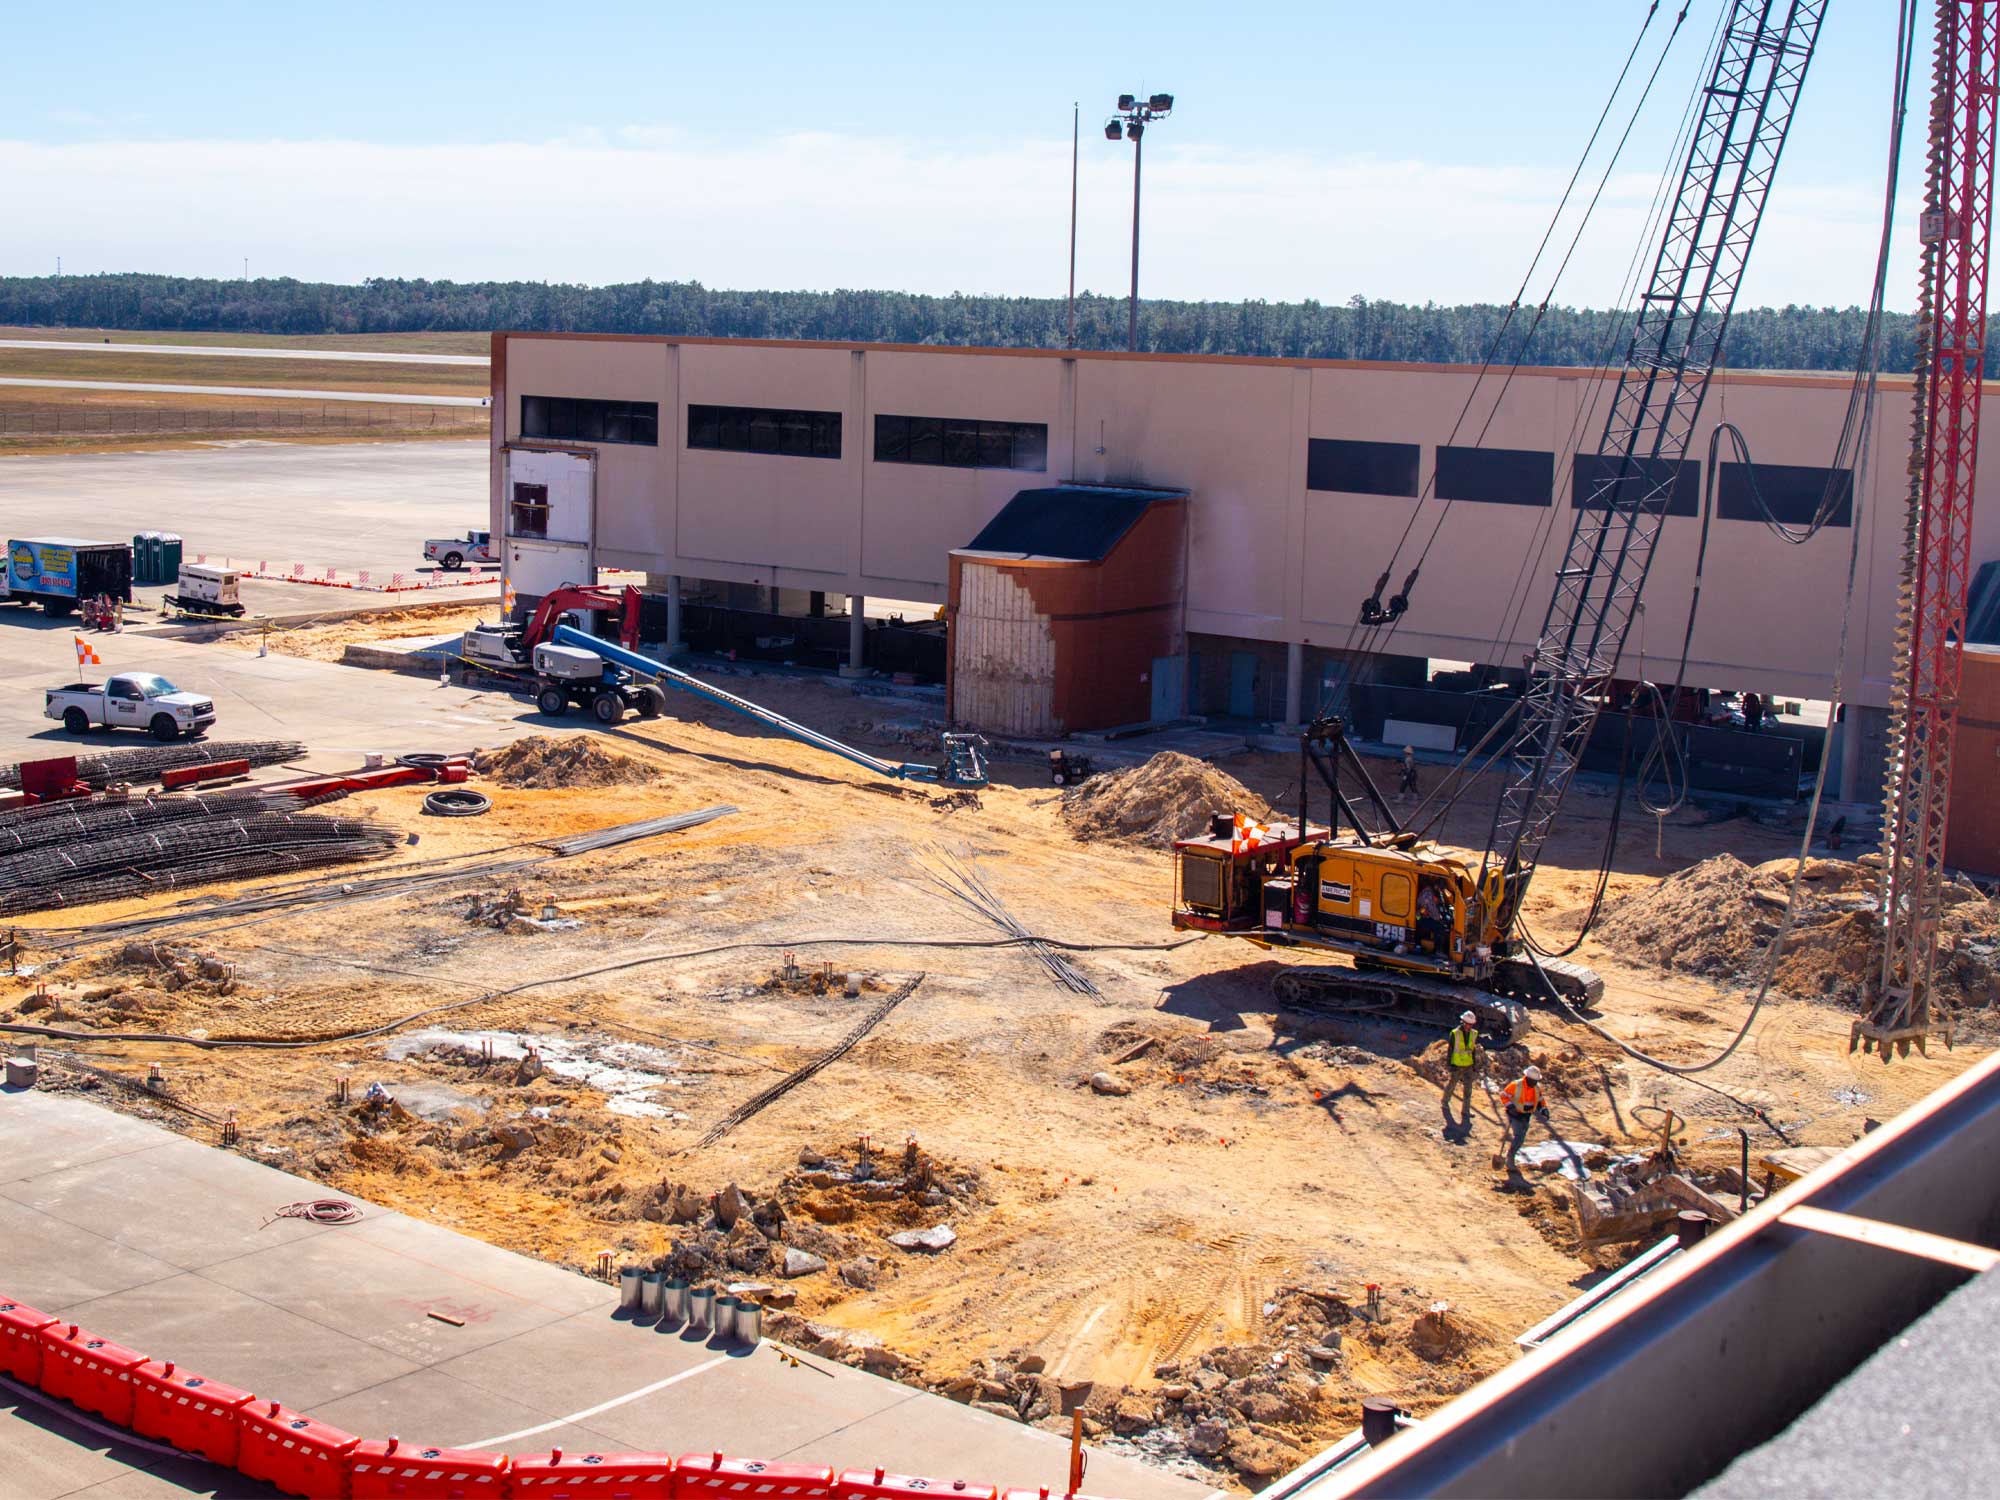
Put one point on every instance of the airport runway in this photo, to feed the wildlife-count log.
(273, 392)
(236, 352)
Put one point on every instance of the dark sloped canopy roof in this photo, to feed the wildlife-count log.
(1068, 522)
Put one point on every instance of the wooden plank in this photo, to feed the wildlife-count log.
(1967, 1257)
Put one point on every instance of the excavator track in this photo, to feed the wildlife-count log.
(1411, 999)
(1581, 986)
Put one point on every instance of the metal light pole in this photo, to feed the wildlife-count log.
(1134, 115)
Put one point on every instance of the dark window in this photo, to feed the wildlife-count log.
(961, 443)
(1496, 476)
(764, 429)
(571, 419)
(1360, 468)
(1792, 494)
(531, 510)
(1594, 476)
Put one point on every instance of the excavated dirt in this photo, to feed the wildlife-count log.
(545, 761)
(1172, 796)
(1166, 1256)
(1719, 918)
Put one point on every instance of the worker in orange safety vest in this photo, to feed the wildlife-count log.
(1523, 1100)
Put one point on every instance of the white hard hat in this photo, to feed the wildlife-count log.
(1468, 1017)
(1533, 1074)
(1409, 749)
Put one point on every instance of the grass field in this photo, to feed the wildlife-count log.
(196, 369)
(377, 343)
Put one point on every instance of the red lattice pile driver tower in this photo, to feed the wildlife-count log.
(1956, 231)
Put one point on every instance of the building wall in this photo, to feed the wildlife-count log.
(1972, 835)
(1269, 559)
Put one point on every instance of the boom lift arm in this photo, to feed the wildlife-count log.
(964, 765)
(1746, 112)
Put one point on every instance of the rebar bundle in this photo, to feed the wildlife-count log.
(146, 762)
(962, 883)
(71, 822)
(227, 839)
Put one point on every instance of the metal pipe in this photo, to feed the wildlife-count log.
(1075, 137)
(1132, 316)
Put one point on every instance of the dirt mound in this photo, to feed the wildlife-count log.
(546, 761)
(1718, 918)
(1172, 796)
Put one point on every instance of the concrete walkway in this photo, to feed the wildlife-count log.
(167, 1245)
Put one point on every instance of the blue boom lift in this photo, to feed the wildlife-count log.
(964, 764)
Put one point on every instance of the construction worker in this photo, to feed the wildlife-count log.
(1462, 1056)
(1433, 916)
(1406, 786)
(1523, 1098)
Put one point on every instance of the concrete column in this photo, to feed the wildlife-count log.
(857, 636)
(675, 645)
(1295, 672)
(1864, 744)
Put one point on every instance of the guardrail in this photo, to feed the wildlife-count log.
(268, 1441)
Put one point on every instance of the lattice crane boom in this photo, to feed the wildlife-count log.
(1956, 231)
(1746, 112)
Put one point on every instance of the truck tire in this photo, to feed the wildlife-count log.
(76, 721)
(552, 701)
(452, 561)
(59, 607)
(652, 701)
(164, 728)
(608, 707)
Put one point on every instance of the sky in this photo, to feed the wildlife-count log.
(1319, 149)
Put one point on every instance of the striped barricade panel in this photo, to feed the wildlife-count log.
(194, 1413)
(294, 1453)
(857, 1484)
(379, 1468)
(592, 1476)
(710, 1476)
(21, 1341)
(91, 1372)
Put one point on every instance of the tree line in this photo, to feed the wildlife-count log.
(1770, 338)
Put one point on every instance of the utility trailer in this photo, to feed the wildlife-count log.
(59, 573)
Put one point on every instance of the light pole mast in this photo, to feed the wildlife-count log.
(1134, 115)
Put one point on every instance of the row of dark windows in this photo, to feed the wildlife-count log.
(571, 419)
(949, 442)
(957, 443)
(1791, 493)
(764, 429)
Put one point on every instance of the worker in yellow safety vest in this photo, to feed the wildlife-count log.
(1462, 1059)
(1523, 1099)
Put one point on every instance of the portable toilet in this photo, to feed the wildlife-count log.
(142, 566)
(170, 557)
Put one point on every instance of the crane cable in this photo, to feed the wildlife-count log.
(1905, 26)
(1366, 649)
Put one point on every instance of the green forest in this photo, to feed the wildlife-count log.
(1787, 338)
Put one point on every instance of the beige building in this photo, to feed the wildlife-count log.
(857, 469)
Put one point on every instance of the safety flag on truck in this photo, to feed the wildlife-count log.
(1247, 835)
(86, 654)
(507, 595)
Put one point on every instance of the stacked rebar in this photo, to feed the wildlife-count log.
(145, 763)
(72, 854)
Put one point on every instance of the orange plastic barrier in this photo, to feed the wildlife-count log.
(194, 1413)
(91, 1372)
(853, 1484)
(295, 1453)
(558, 1475)
(379, 1468)
(21, 1341)
(710, 1476)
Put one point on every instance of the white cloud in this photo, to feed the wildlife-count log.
(819, 210)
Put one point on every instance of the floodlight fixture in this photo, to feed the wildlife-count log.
(1126, 101)
(1114, 130)
(1160, 104)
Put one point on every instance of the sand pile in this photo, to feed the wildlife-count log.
(1718, 918)
(562, 760)
(1172, 796)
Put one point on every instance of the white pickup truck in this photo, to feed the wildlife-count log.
(131, 700)
(453, 553)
